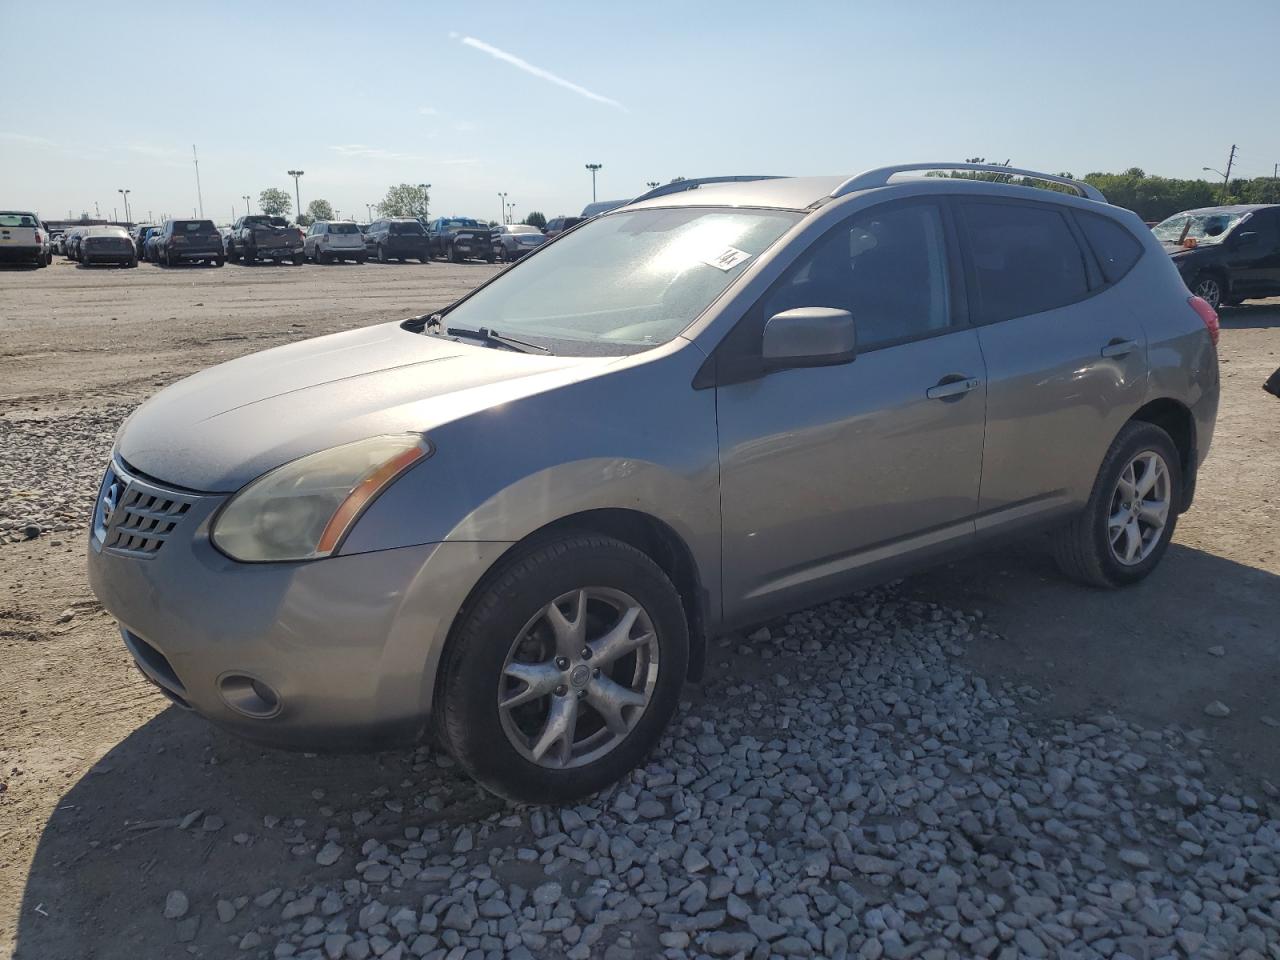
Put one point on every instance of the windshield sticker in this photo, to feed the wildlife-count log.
(729, 258)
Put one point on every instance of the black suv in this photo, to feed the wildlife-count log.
(186, 240)
(1226, 254)
(397, 238)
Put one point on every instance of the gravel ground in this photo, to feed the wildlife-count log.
(917, 771)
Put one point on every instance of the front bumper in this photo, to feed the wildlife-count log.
(349, 644)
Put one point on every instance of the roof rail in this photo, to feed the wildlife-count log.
(682, 185)
(881, 176)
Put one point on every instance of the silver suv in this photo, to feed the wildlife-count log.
(520, 519)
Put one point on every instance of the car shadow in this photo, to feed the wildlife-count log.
(1250, 316)
(1142, 652)
(116, 833)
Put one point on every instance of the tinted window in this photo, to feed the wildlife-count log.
(888, 267)
(194, 226)
(343, 228)
(1025, 259)
(406, 228)
(1115, 247)
(1266, 224)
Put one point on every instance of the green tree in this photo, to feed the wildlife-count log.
(275, 202)
(536, 218)
(304, 220)
(319, 210)
(405, 200)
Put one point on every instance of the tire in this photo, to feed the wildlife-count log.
(509, 606)
(424, 259)
(219, 261)
(298, 259)
(382, 254)
(1209, 287)
(1083, 548)
(133, 263)
(362, 260)
(168, 259)
(453, 256)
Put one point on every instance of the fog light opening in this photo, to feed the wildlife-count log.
(249, 696)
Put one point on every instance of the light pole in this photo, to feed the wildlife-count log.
(511, 212)
(369, 208)
(594, 168)
(296, 195)
(502, 207)
(424, 187)
(245, 198)
(125, 193)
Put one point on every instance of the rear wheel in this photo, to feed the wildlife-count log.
(564, 670)
(1126, 526)
(1208, 287)
(454, 256)
(298, 259)
(219, 261)
(382, 254)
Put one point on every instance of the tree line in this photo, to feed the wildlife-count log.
(1152, 198)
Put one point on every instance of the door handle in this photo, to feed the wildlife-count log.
(952, 387)
(1119, 348)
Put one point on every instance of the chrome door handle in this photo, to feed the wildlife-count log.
(952, 388)
(1119, 348)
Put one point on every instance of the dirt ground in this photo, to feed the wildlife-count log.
(95, 766)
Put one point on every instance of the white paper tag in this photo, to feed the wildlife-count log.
(727, 259)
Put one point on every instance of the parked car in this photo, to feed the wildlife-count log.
(1226, 254)
(460, 238)
(513, 241)
(397, 238)
(558, 225)
(260, 237)
(107, 245)
(467, 518)
(139, 236)
(23, 239)
(189, 241)
(55, 242)
(330, 240)
(151, 244)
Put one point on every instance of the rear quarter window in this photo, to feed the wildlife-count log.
(1023, 257)
(1115, 247)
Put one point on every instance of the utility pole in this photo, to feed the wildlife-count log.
(1226, 179)
(594, 168)
(199, 193)
(297, 196)
(125, 193)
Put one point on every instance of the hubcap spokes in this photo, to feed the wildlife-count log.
(578, 677)
(1139, 508)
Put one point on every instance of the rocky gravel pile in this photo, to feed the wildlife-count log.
(51, 468)
(846, 788)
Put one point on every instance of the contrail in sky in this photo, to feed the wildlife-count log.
(529, 68)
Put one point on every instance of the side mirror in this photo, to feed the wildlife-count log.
(809, 337)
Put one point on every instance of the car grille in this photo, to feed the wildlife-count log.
(135, 517)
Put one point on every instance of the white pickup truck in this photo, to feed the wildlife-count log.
(23, 239)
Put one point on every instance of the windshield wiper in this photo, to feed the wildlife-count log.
(496, 339)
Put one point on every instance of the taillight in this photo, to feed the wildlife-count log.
(1207, 314)
(39, 239)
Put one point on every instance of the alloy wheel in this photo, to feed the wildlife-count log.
(1209, 290)
(1139, 508)
(578, 677)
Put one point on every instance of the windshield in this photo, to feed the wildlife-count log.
(523, 228)
(624, 282)
(343, 228)
(406, 228)
(460, 223)
(1207, 226)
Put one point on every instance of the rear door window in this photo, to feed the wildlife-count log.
(1115, 247)
(407, 229)
(1023, 258)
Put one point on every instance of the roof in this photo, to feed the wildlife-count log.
(791, 193)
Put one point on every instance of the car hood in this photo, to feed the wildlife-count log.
(219, 429)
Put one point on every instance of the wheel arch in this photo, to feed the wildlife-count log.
(1175, 419)
(648, 534)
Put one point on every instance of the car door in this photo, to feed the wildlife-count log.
(1254, 254)
(833, 476)
(1065, 352)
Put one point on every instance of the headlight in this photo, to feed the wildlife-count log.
(302, 510)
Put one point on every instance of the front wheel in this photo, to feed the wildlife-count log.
(382, 254)
(298, 259)
(564, 670)
(1209, 288)
(1126, 526)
